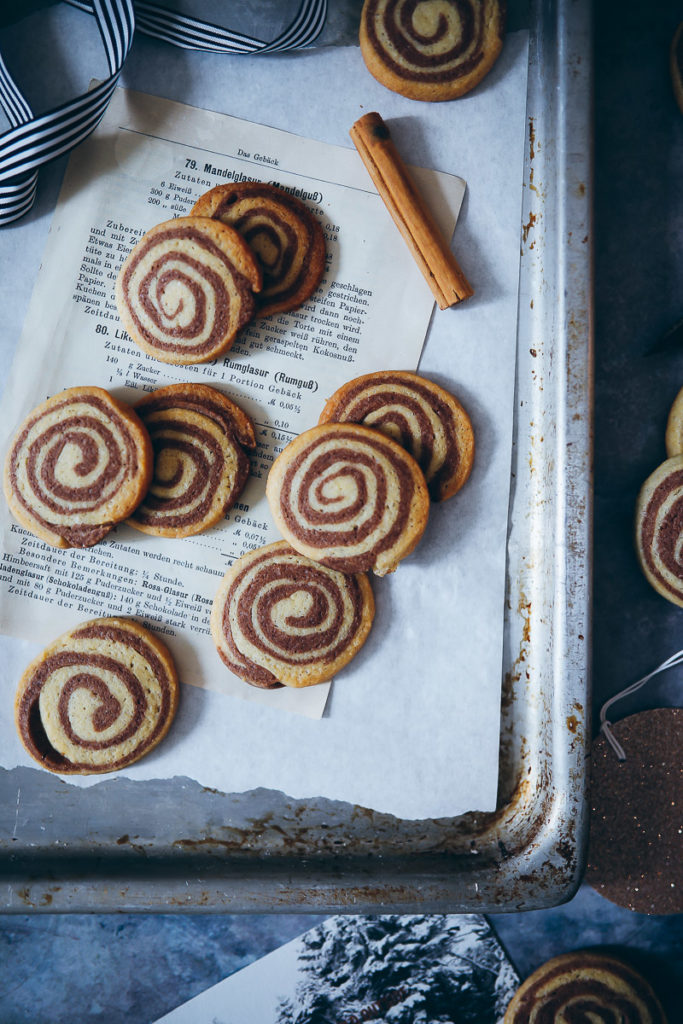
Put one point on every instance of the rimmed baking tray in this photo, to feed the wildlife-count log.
(174, 845)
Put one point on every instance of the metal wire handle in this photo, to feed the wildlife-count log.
(605, 725)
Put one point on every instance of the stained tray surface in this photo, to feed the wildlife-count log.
(174, 844)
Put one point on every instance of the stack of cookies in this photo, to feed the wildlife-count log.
(191, 284)
(349, 496)
(354, 491)
(83, 461)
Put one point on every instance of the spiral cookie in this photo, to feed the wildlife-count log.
(659, 529)
(285, 236)
(348, 497)
(200, 466)
(97, 699)
(186, 289)
(424, 418)
(674, 427)
(585, 986)
(78, 465)
(280, 618)
(431, 49)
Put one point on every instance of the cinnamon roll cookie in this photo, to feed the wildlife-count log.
(79, 464)
(97, 699)
(200, 464)
(279, 617)
(349, 497)
(431, 49)
(424, 418)
(585, 986)
(287, 240)
(186, 289)
(659, 529)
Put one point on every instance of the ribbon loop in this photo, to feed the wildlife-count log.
(32, 141)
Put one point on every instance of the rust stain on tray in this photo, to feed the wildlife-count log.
(526, 228)
(44, 900)
(126, 840)
(515, 673)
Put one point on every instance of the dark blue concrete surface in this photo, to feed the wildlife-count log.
(96, 969)
(133, 968)
(638, 297)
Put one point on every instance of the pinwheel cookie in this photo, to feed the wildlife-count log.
(431, 49)
(348, 497)
(287, 240)
(659, 529)
(79, 464)
(98, 698)
(424, 418)
(186, 289)
(280, 618)
(674, 427)
(585, 986)
(200, 464)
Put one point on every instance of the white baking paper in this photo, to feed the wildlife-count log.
(411, 726)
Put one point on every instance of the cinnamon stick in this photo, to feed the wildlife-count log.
(392, 180)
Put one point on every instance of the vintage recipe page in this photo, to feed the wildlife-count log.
(149, 160)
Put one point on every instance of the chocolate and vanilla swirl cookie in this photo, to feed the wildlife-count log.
(348, 497)
(585, 986)
(186, 289)
(659, 529)
(431, 49)
(79, 464)
(424, 418)
(285, 236)
(200, 464)
(674, 427)
(280, 618)
(98, 698)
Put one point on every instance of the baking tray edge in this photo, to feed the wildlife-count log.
(263, 852)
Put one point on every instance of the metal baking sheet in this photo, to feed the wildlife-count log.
(175, 845)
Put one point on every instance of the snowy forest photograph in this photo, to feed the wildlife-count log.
(400, 969)
(389, 969)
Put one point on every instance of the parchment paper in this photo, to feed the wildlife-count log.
(411, 727)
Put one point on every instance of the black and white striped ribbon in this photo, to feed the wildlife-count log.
(32, 141)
